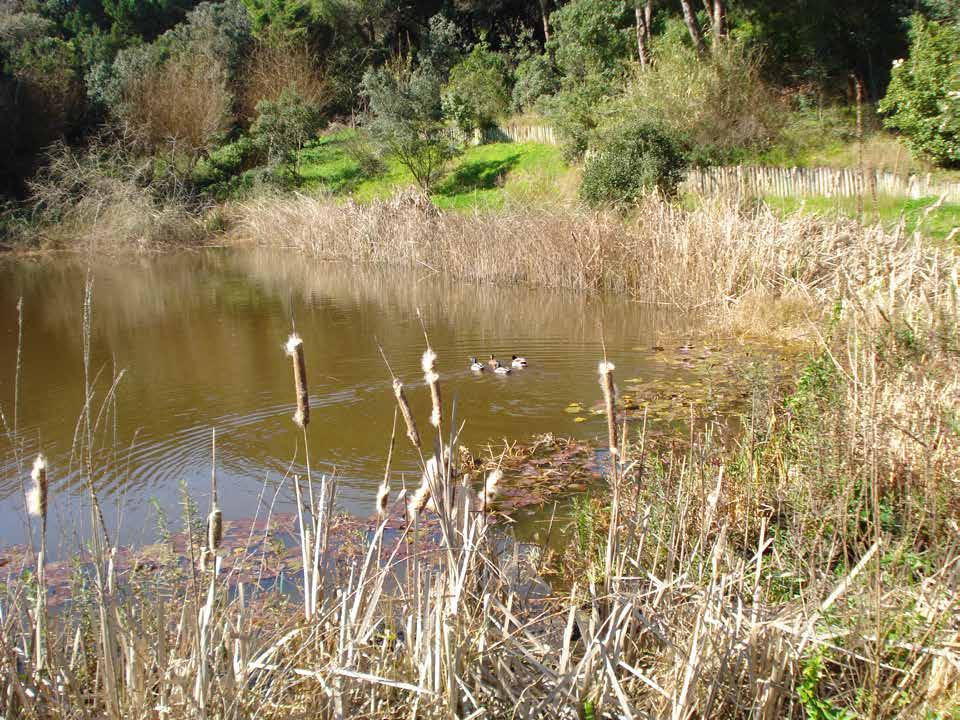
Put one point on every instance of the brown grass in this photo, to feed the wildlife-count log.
(179, 106)
(271, 68)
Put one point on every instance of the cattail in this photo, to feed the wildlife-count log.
(491, 488)
(429, 364)
(407, 415)
(214, 528)
(606, 382)
(383, 495)
(294, 348)
(418, 501)
(37, 494)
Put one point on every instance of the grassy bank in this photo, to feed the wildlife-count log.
(807, 568)
(486, 176)
(938, 221)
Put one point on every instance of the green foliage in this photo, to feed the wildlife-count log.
(590, 39)
(630, 161)
(590, 43)
(283, 126)
(476, 93)
(718, 104)
(407, 120)
(815, 707)
(534, 78)
(441, 47)
(923, 99)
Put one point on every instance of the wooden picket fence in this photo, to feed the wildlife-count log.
(521, 133)
(822, 181)
(782, 182)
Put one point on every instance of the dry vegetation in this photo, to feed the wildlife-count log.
(109, 198)
(811, 569)
(179, 106)
(271, 69)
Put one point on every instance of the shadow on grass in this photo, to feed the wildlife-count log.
(477, 175)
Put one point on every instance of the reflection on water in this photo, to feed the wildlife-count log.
(199, 337)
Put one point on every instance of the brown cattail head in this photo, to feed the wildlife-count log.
(214, 528)
(37, 494)
(407, 415)
(429, 364)
(294, 348)
(606, 383)
(383, 495)
(491, 488)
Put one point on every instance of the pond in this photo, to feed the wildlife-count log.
(199, 339)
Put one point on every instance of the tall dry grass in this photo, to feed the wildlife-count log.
(108, 197)
(722, 253)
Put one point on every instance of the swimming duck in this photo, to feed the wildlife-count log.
(519, 362)
(500, 369)
(493, 362)
(476, 366)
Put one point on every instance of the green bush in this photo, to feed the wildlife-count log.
(476, 93)
(923, 98)
(631, 161)
(534, 78)
(283, 126)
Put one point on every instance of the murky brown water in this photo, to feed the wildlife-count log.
(200, 337)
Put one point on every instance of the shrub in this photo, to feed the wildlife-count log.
(535, 77)
(182, 105)
(476, 93)
(923, 98)
(272, 68)
(718, 103)
(284, 125)
(630, 162)
(407, 120)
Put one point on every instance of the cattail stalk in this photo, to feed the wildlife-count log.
(215, 518)
(606, 383)
(294, 348)
(429, 365)
(37, 506)
(407, 415)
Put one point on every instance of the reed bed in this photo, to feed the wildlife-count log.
(715, 255)
(809, 569)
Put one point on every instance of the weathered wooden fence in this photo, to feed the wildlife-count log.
(805, 182)
(521, 133)
(783, 182)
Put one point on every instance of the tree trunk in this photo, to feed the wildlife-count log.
(643, 17)
(546, 24)
(690, 18)
(719, 20)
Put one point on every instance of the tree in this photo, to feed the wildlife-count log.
(407, 120)
(693, 26)
(923, 99)
(476, 93)
(643, 17)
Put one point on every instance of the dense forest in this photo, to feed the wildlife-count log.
(211, 90)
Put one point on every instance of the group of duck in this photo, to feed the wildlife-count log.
(499, 368)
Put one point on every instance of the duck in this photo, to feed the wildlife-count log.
(475, 365)
(519, 362)
(501, 369)
(493, 362)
